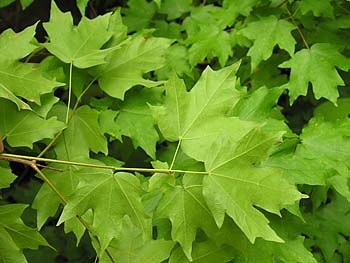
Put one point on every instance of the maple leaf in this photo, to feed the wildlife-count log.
(7, 94)
(204, 252)
(266, 33)
(21, 79)
(23, 128)
(7, 177)
(187, 211)
(323, 8)
(236, 182)
(111, 197)
(175, 8)
(82, 135)
(141, 130)
(125, 67)
(206, 36)
(15, 46)
(138, 15)
(80, 44)
(328, 226)
(316, 65)
(230, 148)
(15, 235)
(130, 246)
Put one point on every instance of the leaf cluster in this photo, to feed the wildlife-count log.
(176, 131)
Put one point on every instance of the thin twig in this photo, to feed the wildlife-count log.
(34, 166)
(113, 168)
(298, 29)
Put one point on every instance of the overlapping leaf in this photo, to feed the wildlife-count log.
(21, 79)
(80, 45)
(23, 128)
(268, 32)
(111, 197)
(187, 211)
(126, 66)
(82, 135)
(15, 235)
(318, 66)
(231, 149)
(131, 246)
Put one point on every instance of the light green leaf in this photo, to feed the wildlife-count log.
(80, 44)
(7, 94)
(236, 183)
(15, 235)
(266, 33)
(204, 252)
(111, 197)
(82, 4)
(25, 80)
(6, 177)
(316, 65)
(108, 123)
(15, 46)
(82, 135)
(126, 66)
(23, 128)
(231, 149)
(187, 211)
(130, 246)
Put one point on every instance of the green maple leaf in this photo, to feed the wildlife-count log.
(130, 246)
(15, 46)
(21, 79)
(135, 119)
(318, 8)
(174, 8)
(7, 94)
(7, 177)
(15, 235)
(236, 182)
(82, 135)
(328, 144)
(231, 149)
(266, 33)
(328, 225)
(316, 65)
(209, 41)
(138, 15)
(80, 44)
(125, 67)
(46, 202)
(82, 4)
(206, 35)
(111, 197)
(187, 211)
(23, 128)
(204, 252)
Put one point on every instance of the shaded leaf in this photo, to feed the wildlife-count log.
(316, 65)
(15, 235)
(23, 128)
(126, 66)
(266, 33)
